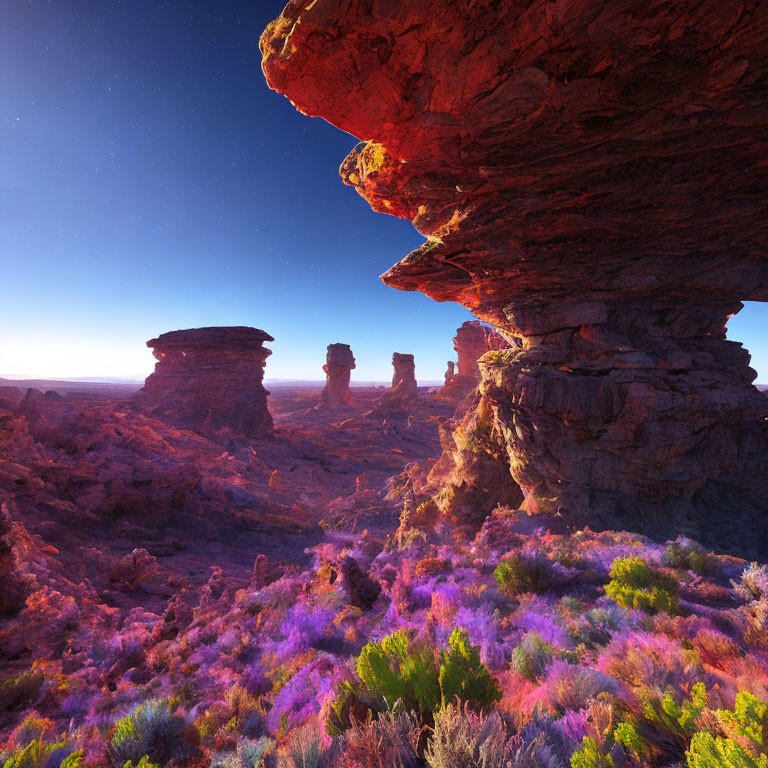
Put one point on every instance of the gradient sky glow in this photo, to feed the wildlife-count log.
(150, 181)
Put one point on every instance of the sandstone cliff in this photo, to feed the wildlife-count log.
(590, 178)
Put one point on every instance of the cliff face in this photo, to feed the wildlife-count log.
(590, 178)
(209, 380)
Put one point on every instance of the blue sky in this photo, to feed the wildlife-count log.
(150, 181)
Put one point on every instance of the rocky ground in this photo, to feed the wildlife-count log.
(169, 600)
(98, 477)
(590, 179)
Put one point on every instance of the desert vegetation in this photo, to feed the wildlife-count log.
(491, 653)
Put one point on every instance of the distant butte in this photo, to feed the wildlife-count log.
(209, 380)
(591, 179)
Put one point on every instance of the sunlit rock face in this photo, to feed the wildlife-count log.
(210, 380)
(404, 375)
(402, 397)
(470, 343)
(338, 367)
(591, 179)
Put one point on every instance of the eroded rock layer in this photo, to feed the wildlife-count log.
(210, 380)
(590, 177)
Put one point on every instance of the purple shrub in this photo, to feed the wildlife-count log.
(570, 686)
(304, 695)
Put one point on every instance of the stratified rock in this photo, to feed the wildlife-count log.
(52, 394)
(210, 380)
(470, 343)
(591, 179)
(339, 364)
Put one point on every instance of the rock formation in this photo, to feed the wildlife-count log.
(450, 371)
(590, 179)
(402, 396)
(339, 364)
(470, 343)
(404, 376)
(209, 380)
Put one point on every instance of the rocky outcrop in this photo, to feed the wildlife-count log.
(589, 178)
(338, 366)
(210, 380)
(402, 396)
(450, 372)
(361, 590)
(404, 376)
(470, 343)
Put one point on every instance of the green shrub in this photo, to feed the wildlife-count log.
(42, 754)
(349, 705)
(145, 762)
(396, 672)
(690, 556)
(748, 718)
(154, 732)
(626, 734)
(589, 756)
(18, 692)
(531, 658)
(677, 718)
(519, 573)
(464, 679)
(708, 751)
(634, 584)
